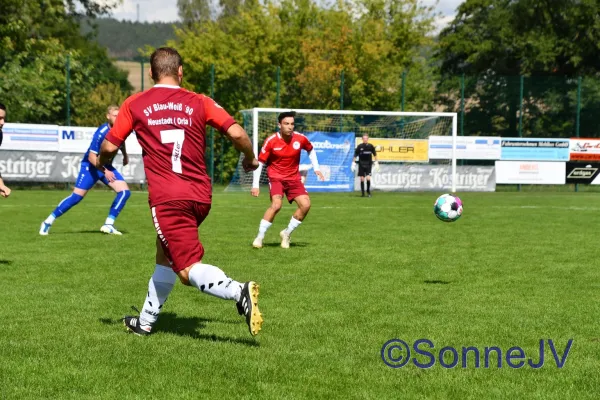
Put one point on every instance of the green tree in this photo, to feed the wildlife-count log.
(36, 38)
(92, 109)
(498, 40)
(241, 47)
(372, 41)
(124, 38)
(193, 11)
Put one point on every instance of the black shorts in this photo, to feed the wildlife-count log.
(364, 169)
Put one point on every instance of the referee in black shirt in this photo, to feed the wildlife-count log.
(365, 156)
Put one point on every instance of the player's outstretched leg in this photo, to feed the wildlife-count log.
(212, 280)
(64, 206)
(115, 209)
(159, 287)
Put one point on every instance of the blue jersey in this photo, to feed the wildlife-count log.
(96, 141)
(88, 173)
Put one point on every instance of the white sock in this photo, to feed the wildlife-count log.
(294, 223)
(210, 279)
(109, 221)
(263, 227)
(160, 286)
(50, 219)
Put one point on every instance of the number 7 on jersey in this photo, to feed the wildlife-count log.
(175, 136)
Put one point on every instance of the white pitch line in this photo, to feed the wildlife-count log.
(574, 208)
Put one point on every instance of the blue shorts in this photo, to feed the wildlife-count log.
(89, 175)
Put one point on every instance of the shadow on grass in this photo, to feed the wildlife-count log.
(436, 282)
(292, 244)
(5, 262)
(85, 232)
(188, 326)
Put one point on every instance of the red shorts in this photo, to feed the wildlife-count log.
(292, 188)
(176, 224)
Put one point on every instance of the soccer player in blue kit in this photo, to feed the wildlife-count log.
(89, 175)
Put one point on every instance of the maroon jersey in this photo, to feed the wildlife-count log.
(283, 159)
(170, 124)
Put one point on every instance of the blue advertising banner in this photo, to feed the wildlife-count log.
(335, 151)
(529, 149)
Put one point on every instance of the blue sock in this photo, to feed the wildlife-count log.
(64, 206)
(117, 206)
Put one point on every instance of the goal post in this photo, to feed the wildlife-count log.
(402, 139)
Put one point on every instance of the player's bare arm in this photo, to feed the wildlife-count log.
(107, 152)
(125, 155)
(4, 190)
(93, 159)
(238, 136)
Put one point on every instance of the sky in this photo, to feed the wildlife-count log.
(166, 10)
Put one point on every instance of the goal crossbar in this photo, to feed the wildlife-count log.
(255, 125)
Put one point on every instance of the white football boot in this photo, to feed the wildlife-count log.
(110, 230)
(44, 229)
(285, 239)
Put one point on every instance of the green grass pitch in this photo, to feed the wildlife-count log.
(516, 268)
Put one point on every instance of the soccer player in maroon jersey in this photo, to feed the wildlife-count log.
(281, 154)
(170, 123)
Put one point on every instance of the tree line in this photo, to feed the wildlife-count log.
(37, 40)
(123, 39)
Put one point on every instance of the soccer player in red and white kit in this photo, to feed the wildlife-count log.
(170, 123)
(281, 154)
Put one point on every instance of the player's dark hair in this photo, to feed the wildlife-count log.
(286, 115)
(165, 61)
(2, 107)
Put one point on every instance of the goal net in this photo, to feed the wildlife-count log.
(406, 143)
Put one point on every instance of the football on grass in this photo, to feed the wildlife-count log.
(448, 208)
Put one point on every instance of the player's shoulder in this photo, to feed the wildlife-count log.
(270, 138)
(301, 136)
(203, 98)
(104, 128)
(135, 96)
(155, 92)
(131, 99)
